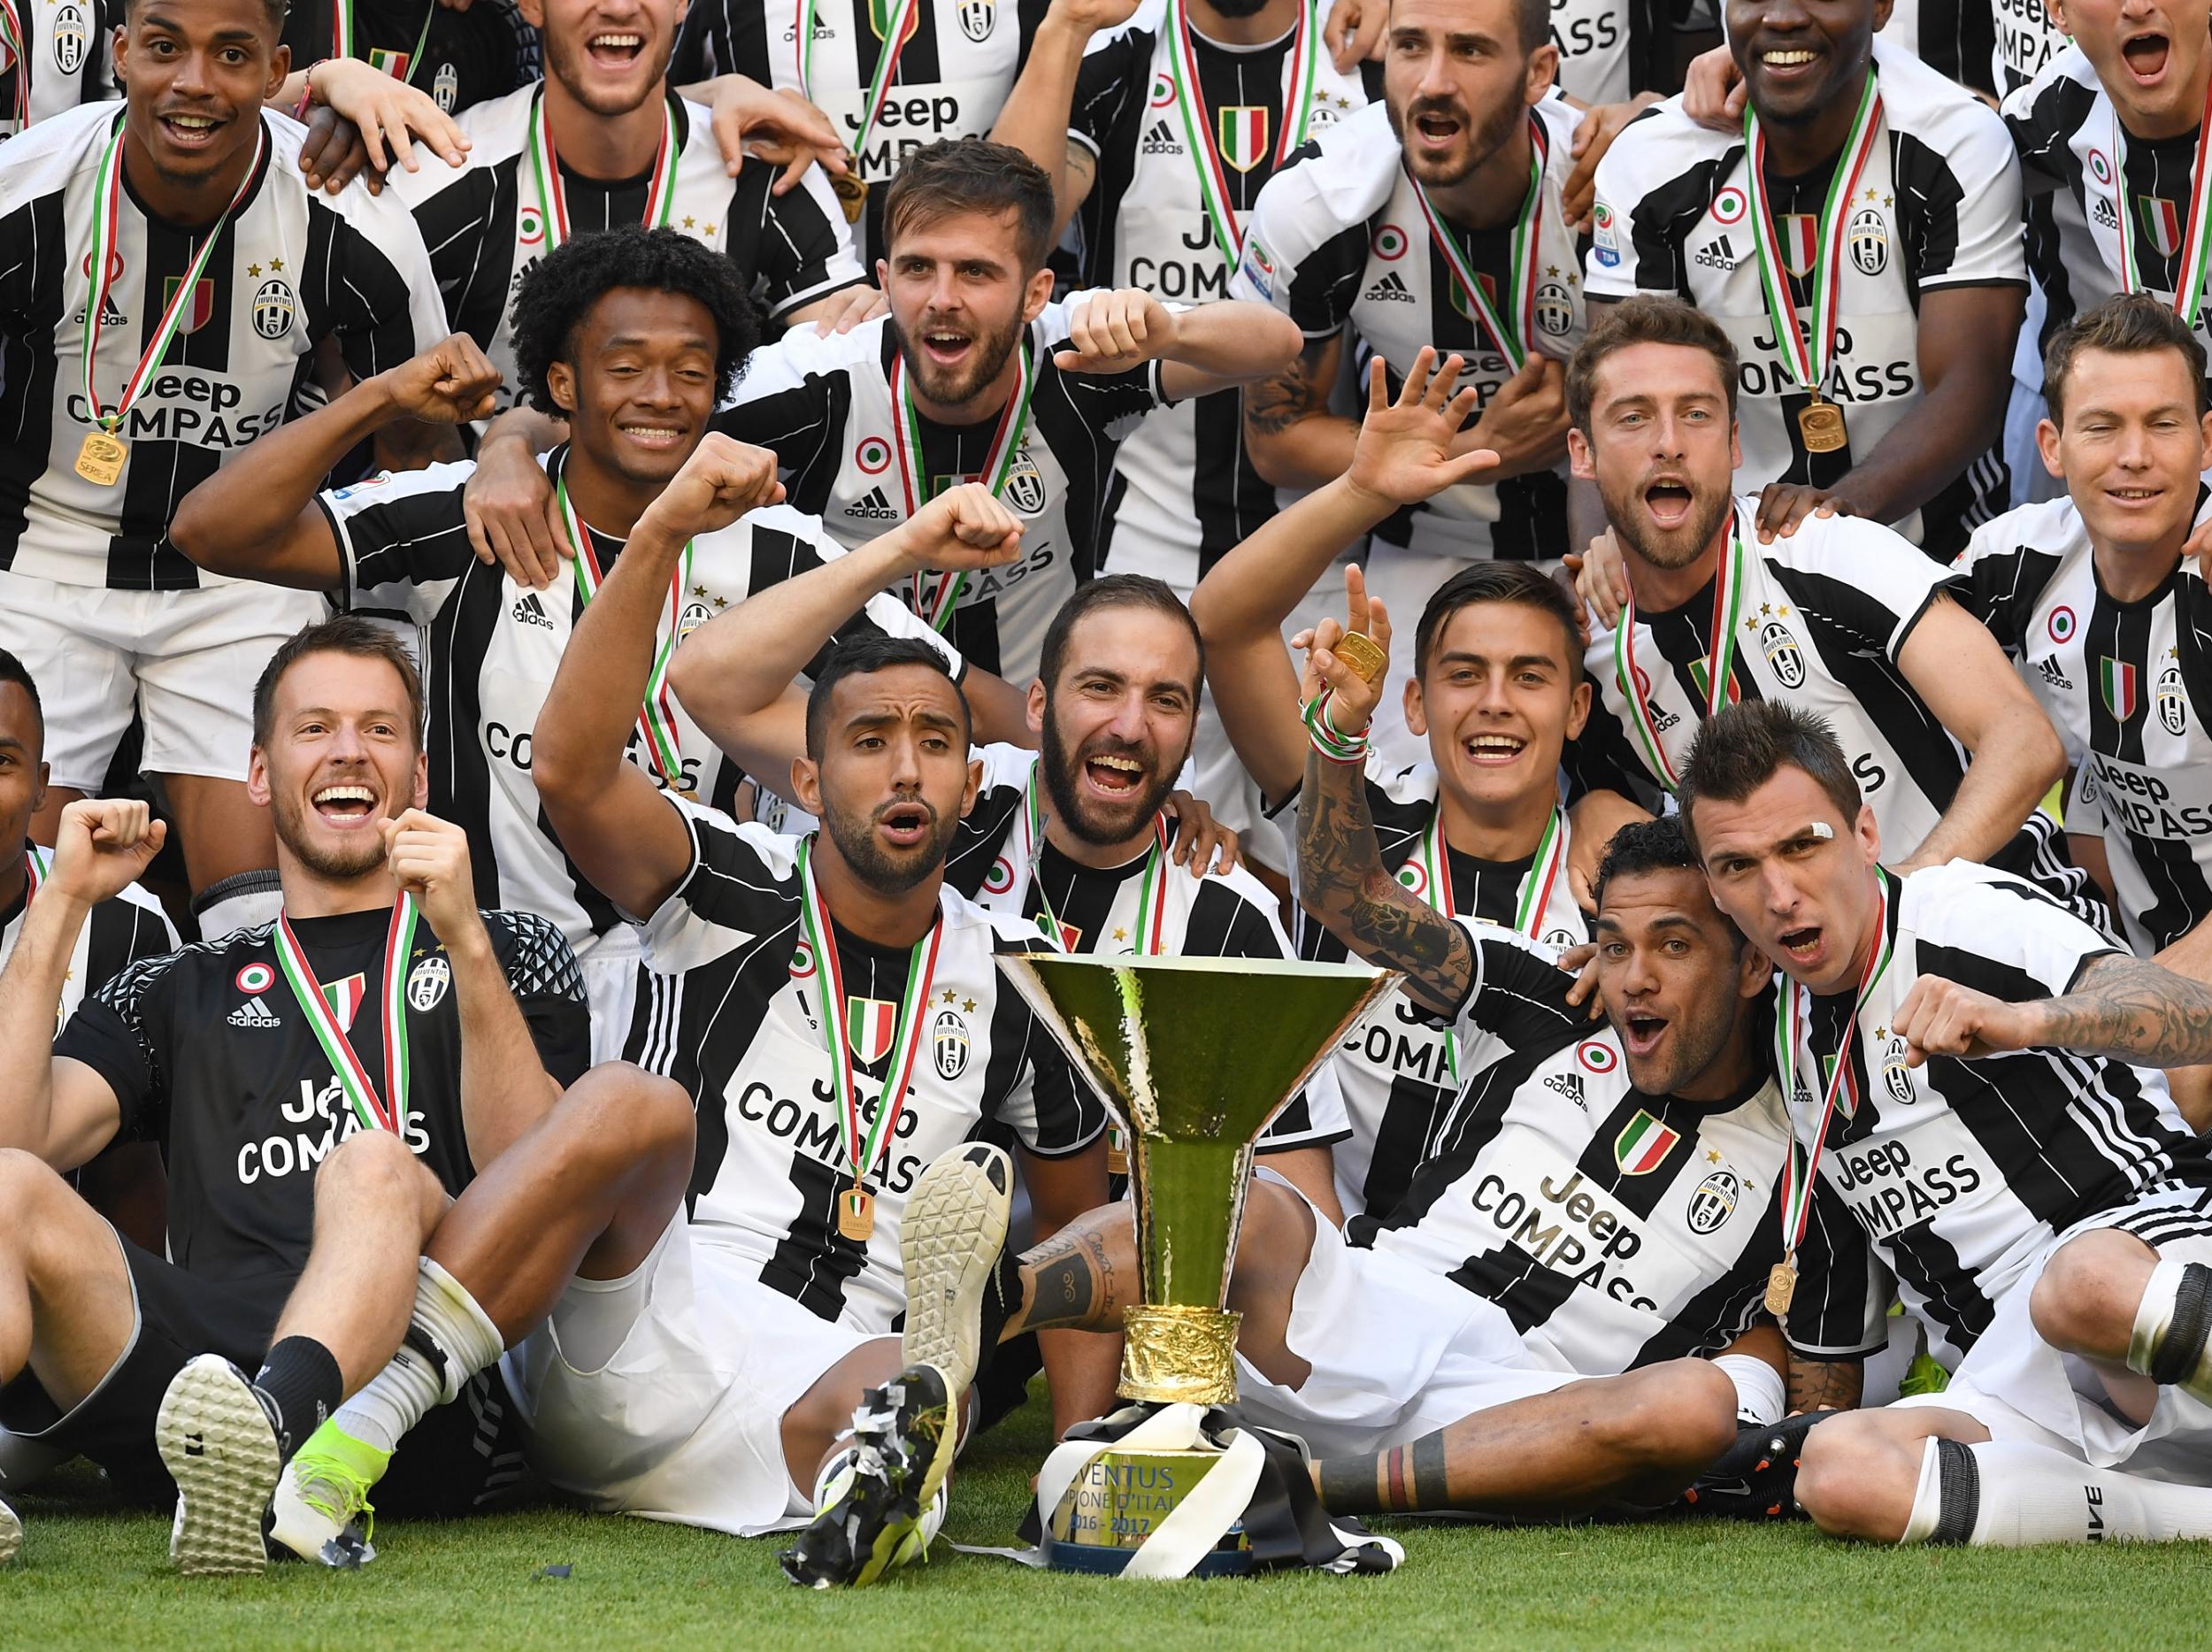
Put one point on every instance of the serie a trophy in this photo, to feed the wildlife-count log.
(1194, 1056)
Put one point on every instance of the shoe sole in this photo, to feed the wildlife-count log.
(949, 1240)
(217, 1443)
(10, 1534)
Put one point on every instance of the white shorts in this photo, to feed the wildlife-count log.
(610, 967)
(2020, 1387)
(689, 1365)
(186, 660)
(1397, 1352)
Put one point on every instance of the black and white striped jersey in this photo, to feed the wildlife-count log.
(1101, 911)
(1398, 1085)
(733, 1013)
(1340, 235)
(485, 223)
(489, 649)
(469, 55)
(958, 64)
(69, 52)
(1825, 614)
(2026, 42)
(824, 407)
(2129, 686)
(1963, 1173)
(1617, 1228)
(1185, 490)
(294, 267)
(1938, 205)
(114, 935)
(1611, 49)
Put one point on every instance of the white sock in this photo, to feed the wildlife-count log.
(245, 902)
(2169, 1344)
(462, 1341)
(1759, 1396)
(2006, 1494)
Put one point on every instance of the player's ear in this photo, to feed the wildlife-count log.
(973, 788)
(38, 790)
(2204, 434)
(560, 384)
(1037, 294)
(1869, 835)
(1735, 443)
(2046, 434)
(1416, 712)
(1580, 455)
(1035, 706)
(1577, 709)
(1753, 969)
(258, 777)
(806, 786)
(280, 70)
(533, 13)
(1543, 69)
(1882, 9)
(422, 796)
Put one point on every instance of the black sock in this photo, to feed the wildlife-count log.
(1002, 1301)
(299, 1387)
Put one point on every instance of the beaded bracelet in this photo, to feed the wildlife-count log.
(1330, 741)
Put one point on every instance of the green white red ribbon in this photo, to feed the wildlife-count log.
(389, 1111)
(660, 197)
(2196, 238)
(107, 194)
(863, 1142)
(1199, 133)
(894, 23)
(1151, 894)
(12, 37)
(1511, 340)
(1720, 656)
(906, 429)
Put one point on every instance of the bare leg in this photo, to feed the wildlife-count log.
(1637, 1439)
(219, 829)
(820, 1418)
(2084, 1303)
(1861, 1469)
(64, 1293)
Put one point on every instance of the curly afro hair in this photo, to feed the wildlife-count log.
(560, 290)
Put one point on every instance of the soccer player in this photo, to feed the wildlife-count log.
(602, 141)
(1962, 1055)
(1477, 828)
(1858, 240)
(1074, 840)
(1433, 221)
(630, 336)
(363, 1114)
(974, 374)
(1840, 615)
(832, 1007)
(1540, 1329)
(170, 275)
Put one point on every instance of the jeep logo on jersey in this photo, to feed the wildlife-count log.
(1025, 487)
(1869, 239)
(445, 87)
(272, 310)
(870, 1023)
(1780, 648)
(427, 983)
(256, 978)
(1388, 243)
(344, 998)
(1800, 241)
(2115, 681)
(1555, 309)
(948, 1044)
(1643, 1144)
(695, 615)
(2161, 222)
(1714, 1201)
(977, 17)
(2173, 709)
(200, 312)
(1728, 205)
(69, 38)
(1243, 136)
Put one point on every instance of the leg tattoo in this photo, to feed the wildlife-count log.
(1070, 1284)
(1401, 1480)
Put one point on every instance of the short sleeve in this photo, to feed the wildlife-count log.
(805, 247)
(1516, 990)
(1108, 404)
(1634, 240)
(1112, 72)
(112, 1033)
(381, 297)
(1048, 1105)
(739, 887)
(1875, 581)
(543, 974)
(1997, 933)
(1968, 210)
(402, 540)
(1296, 258)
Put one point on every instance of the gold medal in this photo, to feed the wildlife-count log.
(856, 1215)
(1117, 1152)
(1781, 1285)
(1821, 424)
(1359, 651)
(100, 460)
(851, 193)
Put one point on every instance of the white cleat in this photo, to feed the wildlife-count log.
(221, 1451)
(950, 1241)
(10, 1534)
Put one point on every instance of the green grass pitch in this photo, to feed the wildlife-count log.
(92, 1576)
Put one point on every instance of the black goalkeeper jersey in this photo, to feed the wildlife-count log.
(210, 1054)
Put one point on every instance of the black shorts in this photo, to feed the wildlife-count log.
(459, 1457)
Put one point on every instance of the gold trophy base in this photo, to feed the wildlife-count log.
(1172, 1355)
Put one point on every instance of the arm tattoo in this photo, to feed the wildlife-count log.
(1071, 1284)
(1818, 1385)
(1274, 404)
(1343, 881)
(1401, 1480)
(2131, 1009)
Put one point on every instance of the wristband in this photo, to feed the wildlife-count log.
(1329, 741)
(307, 91)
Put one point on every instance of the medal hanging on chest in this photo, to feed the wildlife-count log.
(1807, 351)
(1800, 1166)
(894, 24)
(387, 1111)
(861, 1139)
(1510, 330)
(101, 457)
(935, 604)
(2196, 234)
(1636, 688)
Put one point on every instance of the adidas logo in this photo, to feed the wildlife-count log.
(1568, 1085)
(1718, 256)
(530, 611)
(1661, 719)
(2049, 668)
(873, 506)
(1162, 141)
(1389, 290)
(254, 1012)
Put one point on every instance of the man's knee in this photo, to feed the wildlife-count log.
(1276, 1238)
(36, 1206)
(2084, 1300)
(1858, 1472)
(1681, 1415)
(621, 1119)
(26, 1184)
(376, 1164)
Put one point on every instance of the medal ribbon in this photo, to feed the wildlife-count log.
(1720, 657)
(861, 1147)
(341, 35)
(895, 30)
(12, 37)
(1807, 359)
(906, 430)
(1800, 1168)
(1527, 228)
(36, 864)
(663, 744)
(660, 198)
(107, 206)
(1199, 133)
(391, 1112)
(1151, 894)
(2196, 241)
